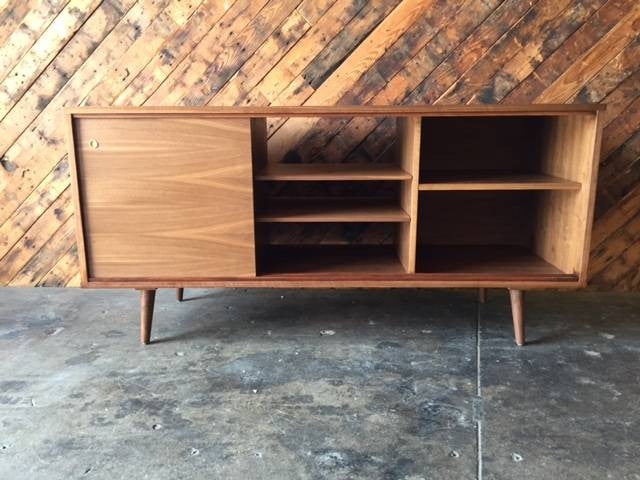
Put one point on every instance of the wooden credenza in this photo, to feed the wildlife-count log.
(465, 196)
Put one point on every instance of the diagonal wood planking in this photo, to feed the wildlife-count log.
(56, 53)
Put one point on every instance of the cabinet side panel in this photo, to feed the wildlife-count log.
(408, 148)
(564, 217)
(596, 146)
(77, 204)
(166, 198)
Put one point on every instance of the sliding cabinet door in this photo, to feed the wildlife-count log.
(164, 197)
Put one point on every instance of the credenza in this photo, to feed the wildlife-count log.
(478, 196)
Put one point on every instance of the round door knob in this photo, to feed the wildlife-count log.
(93, 143)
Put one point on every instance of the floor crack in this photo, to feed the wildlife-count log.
(479, 406)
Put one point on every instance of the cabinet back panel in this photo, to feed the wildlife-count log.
(350, 233)
(166, 197)
(477, 218)
(482, 143)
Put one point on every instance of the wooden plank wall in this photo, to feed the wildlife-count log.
(57, 53)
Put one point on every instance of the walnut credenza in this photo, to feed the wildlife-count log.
(465, 196)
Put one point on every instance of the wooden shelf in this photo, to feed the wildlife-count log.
(330, 260)
(331, 210)
(458, 261)
(492, 180)
(331, 171)
(434, 263)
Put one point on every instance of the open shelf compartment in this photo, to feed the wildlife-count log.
(491, 235)
(330, 248)
(315, 210)
(502, 197)
(287, 190)
(496, 261)
(494, 153)
(331, 260)
(307, 203)
(311, 158)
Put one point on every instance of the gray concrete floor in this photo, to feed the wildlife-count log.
(282, 384)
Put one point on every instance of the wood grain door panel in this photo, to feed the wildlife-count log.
(166, 198)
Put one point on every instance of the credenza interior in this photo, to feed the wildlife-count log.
(464, 196)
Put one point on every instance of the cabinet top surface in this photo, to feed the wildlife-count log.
(346, 111)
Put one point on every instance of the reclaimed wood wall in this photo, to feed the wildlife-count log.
(57, 53)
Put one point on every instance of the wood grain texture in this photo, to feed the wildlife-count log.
(408, 152)
(165, 198)
(59, 54)
(138, 178)
(563, 238)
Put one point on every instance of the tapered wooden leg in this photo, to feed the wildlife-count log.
(482, 295)
(518, 314)
(147, 300)
(179, 294)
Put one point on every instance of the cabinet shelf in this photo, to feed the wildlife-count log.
(331, 210)
(514, 262)
(331, 260)
(435, 263)
(331, 171)
(492, 180)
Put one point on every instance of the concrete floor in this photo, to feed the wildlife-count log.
(270, 384)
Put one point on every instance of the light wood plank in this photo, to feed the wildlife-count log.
(44, 50)
(385, 34)
(554, 65)
(173, 52)
(189, 74)
(63, 271)
(564, 219)
(47, 257)
(591, 62)
(408, 152)
(293, 63)
(30, 28)
(36, 237)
